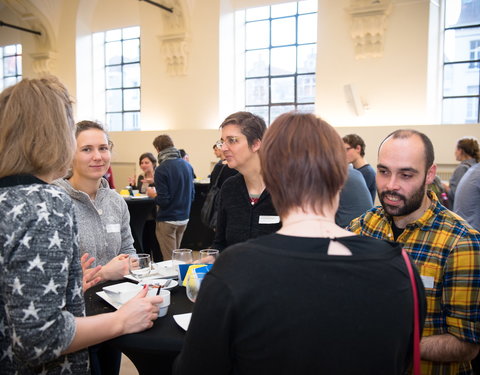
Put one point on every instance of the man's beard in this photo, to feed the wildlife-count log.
(410, 205)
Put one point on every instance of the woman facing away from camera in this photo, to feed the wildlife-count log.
(147, 163)
(42, 320)
(467, 152)
(311, 298)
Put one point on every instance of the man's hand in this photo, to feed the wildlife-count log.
(91, 276)
(151, 192)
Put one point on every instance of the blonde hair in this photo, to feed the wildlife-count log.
(36, 128)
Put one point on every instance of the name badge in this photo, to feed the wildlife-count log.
(428, 281)
(268, 219)
(113, 228)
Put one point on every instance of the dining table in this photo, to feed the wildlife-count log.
(152, 351)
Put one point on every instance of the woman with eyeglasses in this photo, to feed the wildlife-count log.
(245, 209)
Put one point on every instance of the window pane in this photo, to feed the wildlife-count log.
(257, 35)
(277, 110)
(19, 49)
(10, 81)
(131, 50)
(307, 28)
(131, 99)
(9, 65)
(113, 53)
(256, 91)
(19, 65)
(306, 89)
(260, 13)
(113, 35)
(256, 63)
(10, 50)
(461, 13)
(131, 75)
(283, 31)
(114, 122)
(460, 111)
(306, 108)
(113, 77)
(114, 100)
(307, 58)
(457, 78)
(282, 10)
(260, 111)
(307, 6)
(131, 121)
(458, 46)
(283, 90)
(131, 32)
(283, 60)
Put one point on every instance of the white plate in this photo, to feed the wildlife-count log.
(173, 283)
(183, 320)
(104, 296)
(163, 270)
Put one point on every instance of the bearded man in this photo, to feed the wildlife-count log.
(443, 246)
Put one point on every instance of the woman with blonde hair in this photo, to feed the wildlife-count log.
(311, 298)
(42, 320)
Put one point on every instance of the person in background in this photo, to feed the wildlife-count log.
(312, 298)
(355, 198)
(468, 154)
(174, 192)
(147, 163)
(42, 320)
(109, 177)
(355, 148)
(221, 171)
(186, 157)
(103, 220)
(467, 197)
(443, 246)
(245, 209)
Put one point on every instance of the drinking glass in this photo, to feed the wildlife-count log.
(208, 255)
(140, 265)
(194, 280)
(181, 256)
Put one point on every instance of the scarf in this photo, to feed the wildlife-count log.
(168, 154)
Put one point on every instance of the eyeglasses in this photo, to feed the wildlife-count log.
(348, 148)
(231, 140)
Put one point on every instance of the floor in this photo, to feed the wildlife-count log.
(127, 367)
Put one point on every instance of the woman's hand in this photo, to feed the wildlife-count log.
(139, 313)
(151, 192)
(116, 268)
(132, 180)
(91, 276)
(148, 180)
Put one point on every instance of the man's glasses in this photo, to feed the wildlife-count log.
(230, 141)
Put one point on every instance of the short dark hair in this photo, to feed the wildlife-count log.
(162, 142)
(303, 162)
(149, 156)
(407, 133)
(252, 126)
(469, 145)
(355, 140)
(182, 153)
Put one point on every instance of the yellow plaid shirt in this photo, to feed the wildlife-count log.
(445, 250)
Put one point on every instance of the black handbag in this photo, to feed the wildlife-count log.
(208, 215)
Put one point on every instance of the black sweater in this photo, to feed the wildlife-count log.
(238, 220)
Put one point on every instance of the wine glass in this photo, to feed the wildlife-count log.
(193, 281)
(181, 256)
(140, 265)
(208, 256)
